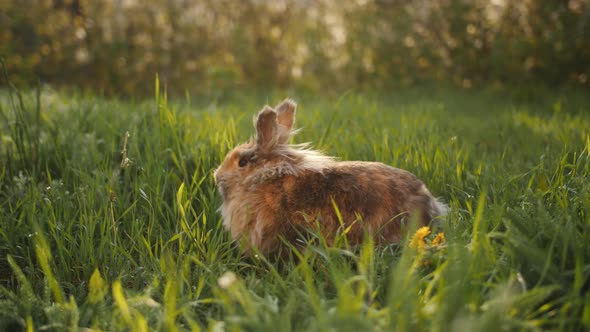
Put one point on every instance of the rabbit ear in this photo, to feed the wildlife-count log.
(266, 128)
(286, 112)
(286, 118)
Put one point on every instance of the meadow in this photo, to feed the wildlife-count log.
(104, 231)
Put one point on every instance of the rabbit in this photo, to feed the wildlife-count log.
(273, 191)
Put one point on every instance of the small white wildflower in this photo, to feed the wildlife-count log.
(227, 280)
(126, 162)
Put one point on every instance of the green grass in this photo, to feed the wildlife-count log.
(87, 241)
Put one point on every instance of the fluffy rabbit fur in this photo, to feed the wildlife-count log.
(273, 190)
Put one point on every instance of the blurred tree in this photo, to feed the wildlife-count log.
(117, 46)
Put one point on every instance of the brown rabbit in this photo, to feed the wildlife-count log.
(273, 190)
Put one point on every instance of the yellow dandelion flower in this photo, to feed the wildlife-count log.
(418, 238)
(439, 239)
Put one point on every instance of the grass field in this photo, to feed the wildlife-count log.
(90, 239)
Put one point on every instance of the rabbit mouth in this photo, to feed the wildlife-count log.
(222, 188)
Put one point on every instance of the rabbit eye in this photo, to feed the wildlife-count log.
(243, 162)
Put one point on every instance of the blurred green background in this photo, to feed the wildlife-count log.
(116, 47)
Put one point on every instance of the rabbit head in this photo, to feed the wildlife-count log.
(263, 155)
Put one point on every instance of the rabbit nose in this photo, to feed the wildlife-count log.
(216, 176)
(220, 183)
(221, 189)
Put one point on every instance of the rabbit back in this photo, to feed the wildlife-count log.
(357, 196)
